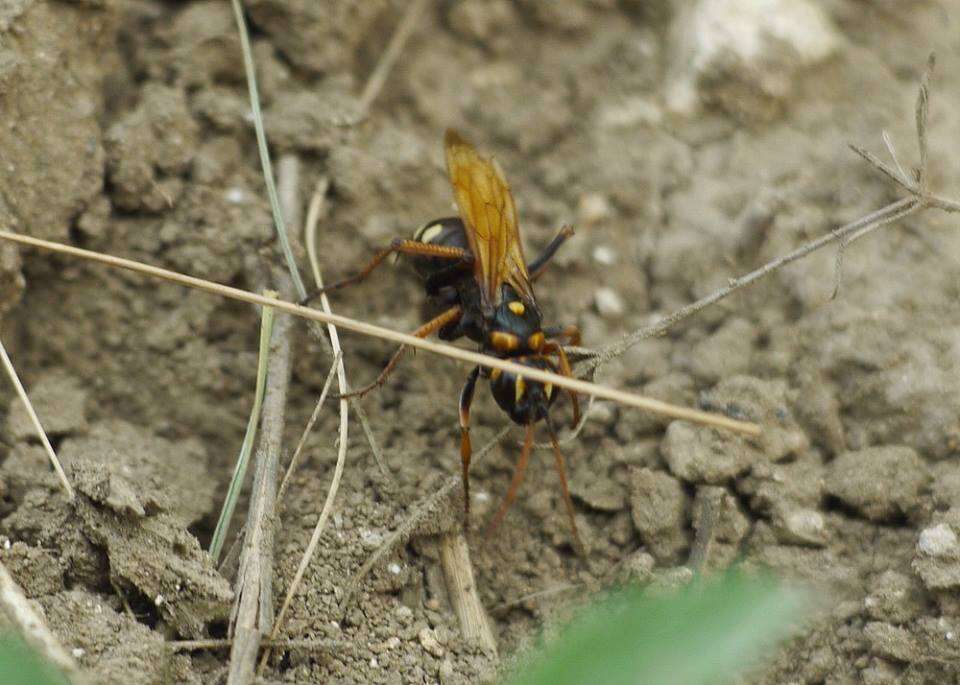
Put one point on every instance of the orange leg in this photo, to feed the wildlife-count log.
(553, 347)
(571, 333)
(518, 472)
(402, 246)
(466, 449)
(567, 502)
(426, 329)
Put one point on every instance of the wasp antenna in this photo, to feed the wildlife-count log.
(567, 502)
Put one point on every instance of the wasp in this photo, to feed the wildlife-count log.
(474, 267)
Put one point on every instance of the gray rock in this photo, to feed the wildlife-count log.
(880, 483)
(937, 558)
(659, 508)
(894, 597)
(742, 55)
(891, 642)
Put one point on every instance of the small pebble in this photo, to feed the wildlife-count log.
(805, 526)
(609, 303)
(428, 640)
(938, 541)
(604, 254)
(235, 196)
(593, 208)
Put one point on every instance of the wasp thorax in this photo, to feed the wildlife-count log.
(515, 327)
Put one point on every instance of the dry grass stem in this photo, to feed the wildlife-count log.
(378, 77)
(20, 613)
(35, 420)
(468, 356)
(253, 612)
(294, 460)
(462, 591)
(315, 211)
(249, 438)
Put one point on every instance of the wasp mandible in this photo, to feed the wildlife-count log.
(474, 266)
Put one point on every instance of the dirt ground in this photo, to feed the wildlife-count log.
(688, 142)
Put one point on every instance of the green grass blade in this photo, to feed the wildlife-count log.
(705, 633)
(240, 470)
(265, 162)
(20, 665)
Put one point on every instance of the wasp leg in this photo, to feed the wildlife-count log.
(518, 472)
(449, 316)
(571, 333)
(466, 449)
(553, 347)
(539, 265)
(567, 502)
(401, 246)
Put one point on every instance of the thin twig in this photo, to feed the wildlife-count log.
(888, 142)
(19, 611)
(315, 211)
(859, 233)
(51, 455)
(307, 430)
(253, 613)
(922, 115)
(462, 591)
(426, 506)
(378, 76)
(616, 349)
(470, 357)
(318, 645)
(540, 594)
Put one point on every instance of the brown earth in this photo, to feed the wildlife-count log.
(687, 142)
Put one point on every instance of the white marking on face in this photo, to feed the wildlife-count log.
(427, 234)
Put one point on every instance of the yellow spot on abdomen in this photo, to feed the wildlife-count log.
(517, 308)
(520, 387)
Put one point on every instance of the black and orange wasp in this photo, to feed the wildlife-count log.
(473, 265)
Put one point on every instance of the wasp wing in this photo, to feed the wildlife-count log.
(490, 217)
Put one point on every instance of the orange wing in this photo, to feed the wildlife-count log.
(490, 216)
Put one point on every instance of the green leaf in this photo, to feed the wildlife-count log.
(705, 633)
(20, 665)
